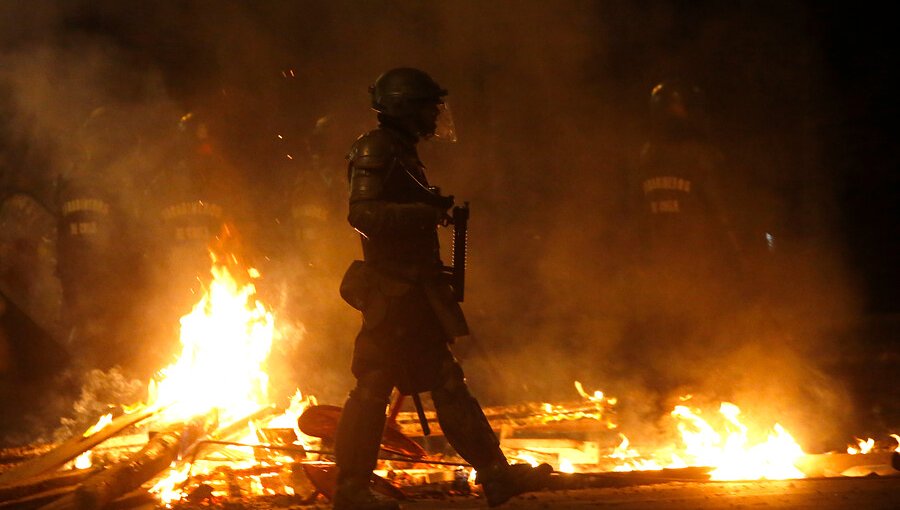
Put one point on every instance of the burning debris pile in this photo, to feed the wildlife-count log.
(209, 432)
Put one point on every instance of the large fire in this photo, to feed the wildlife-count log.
(221, 372)
(225, 341)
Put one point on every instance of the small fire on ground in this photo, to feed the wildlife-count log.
(720, 440)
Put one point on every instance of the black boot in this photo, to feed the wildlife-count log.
(502, 482)
(356, 446)
(356, 494)
(464, 424)
(470, 434)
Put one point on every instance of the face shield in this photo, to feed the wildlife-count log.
(445, 129)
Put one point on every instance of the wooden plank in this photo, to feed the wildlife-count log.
(844, 464)
(37, 500)
(19, 454)
(68, 450)
(567, 417)
(243, 424)
(38, 484)
(562, 481)
(115, 481)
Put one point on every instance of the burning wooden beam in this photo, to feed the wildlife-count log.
(72, 448)
(37, 500)
(19, 454)
(40, 490)
(113, 482)
(44, 483)
(570, 416)
(241, 425)
(843, 464)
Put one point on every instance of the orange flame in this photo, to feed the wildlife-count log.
(225, 344)
(104, 420)
(731, 451)
(862, 446)
(731, 447)
(85, 460)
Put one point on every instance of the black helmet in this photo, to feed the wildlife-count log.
(398, 92)
(106, 135)
(678, 108)
(674, 98)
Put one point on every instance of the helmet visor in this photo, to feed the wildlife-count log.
(446, 129)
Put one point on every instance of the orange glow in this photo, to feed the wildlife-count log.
(166, 488)
(222, 369)
(225, 341)
(104, 420)
(597, 396)
(730, 449)
(528, 459)
(630, 460)
(85, 460)
(862, 447)
(735, 450)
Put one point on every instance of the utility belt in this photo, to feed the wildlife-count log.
(369, 287)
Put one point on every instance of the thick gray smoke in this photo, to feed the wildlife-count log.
(549, 101)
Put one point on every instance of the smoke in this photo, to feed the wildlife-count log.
(550, 106)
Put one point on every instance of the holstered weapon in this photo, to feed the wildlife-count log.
(457, 271)
(420, 411)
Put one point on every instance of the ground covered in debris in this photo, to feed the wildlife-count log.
(818, 494)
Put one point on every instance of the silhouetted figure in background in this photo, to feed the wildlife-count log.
(688, 258)
(99, 260)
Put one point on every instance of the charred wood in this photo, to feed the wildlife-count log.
(44, 483)
(22, 453)
(569, 416)
(135, 499)
(561, 481)
(37, 500)
(101, 489)
(70, 449)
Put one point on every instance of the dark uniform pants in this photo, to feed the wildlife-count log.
(408, 348)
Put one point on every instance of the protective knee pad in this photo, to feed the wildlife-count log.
(465, 425)
(358, 436)
(373, 388)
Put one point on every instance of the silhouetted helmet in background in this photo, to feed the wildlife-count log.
(106, 135)
(678, 106)
(192, 134)
(412, 98)
(675, 98)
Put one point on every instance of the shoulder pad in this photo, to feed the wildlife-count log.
(374, 149)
